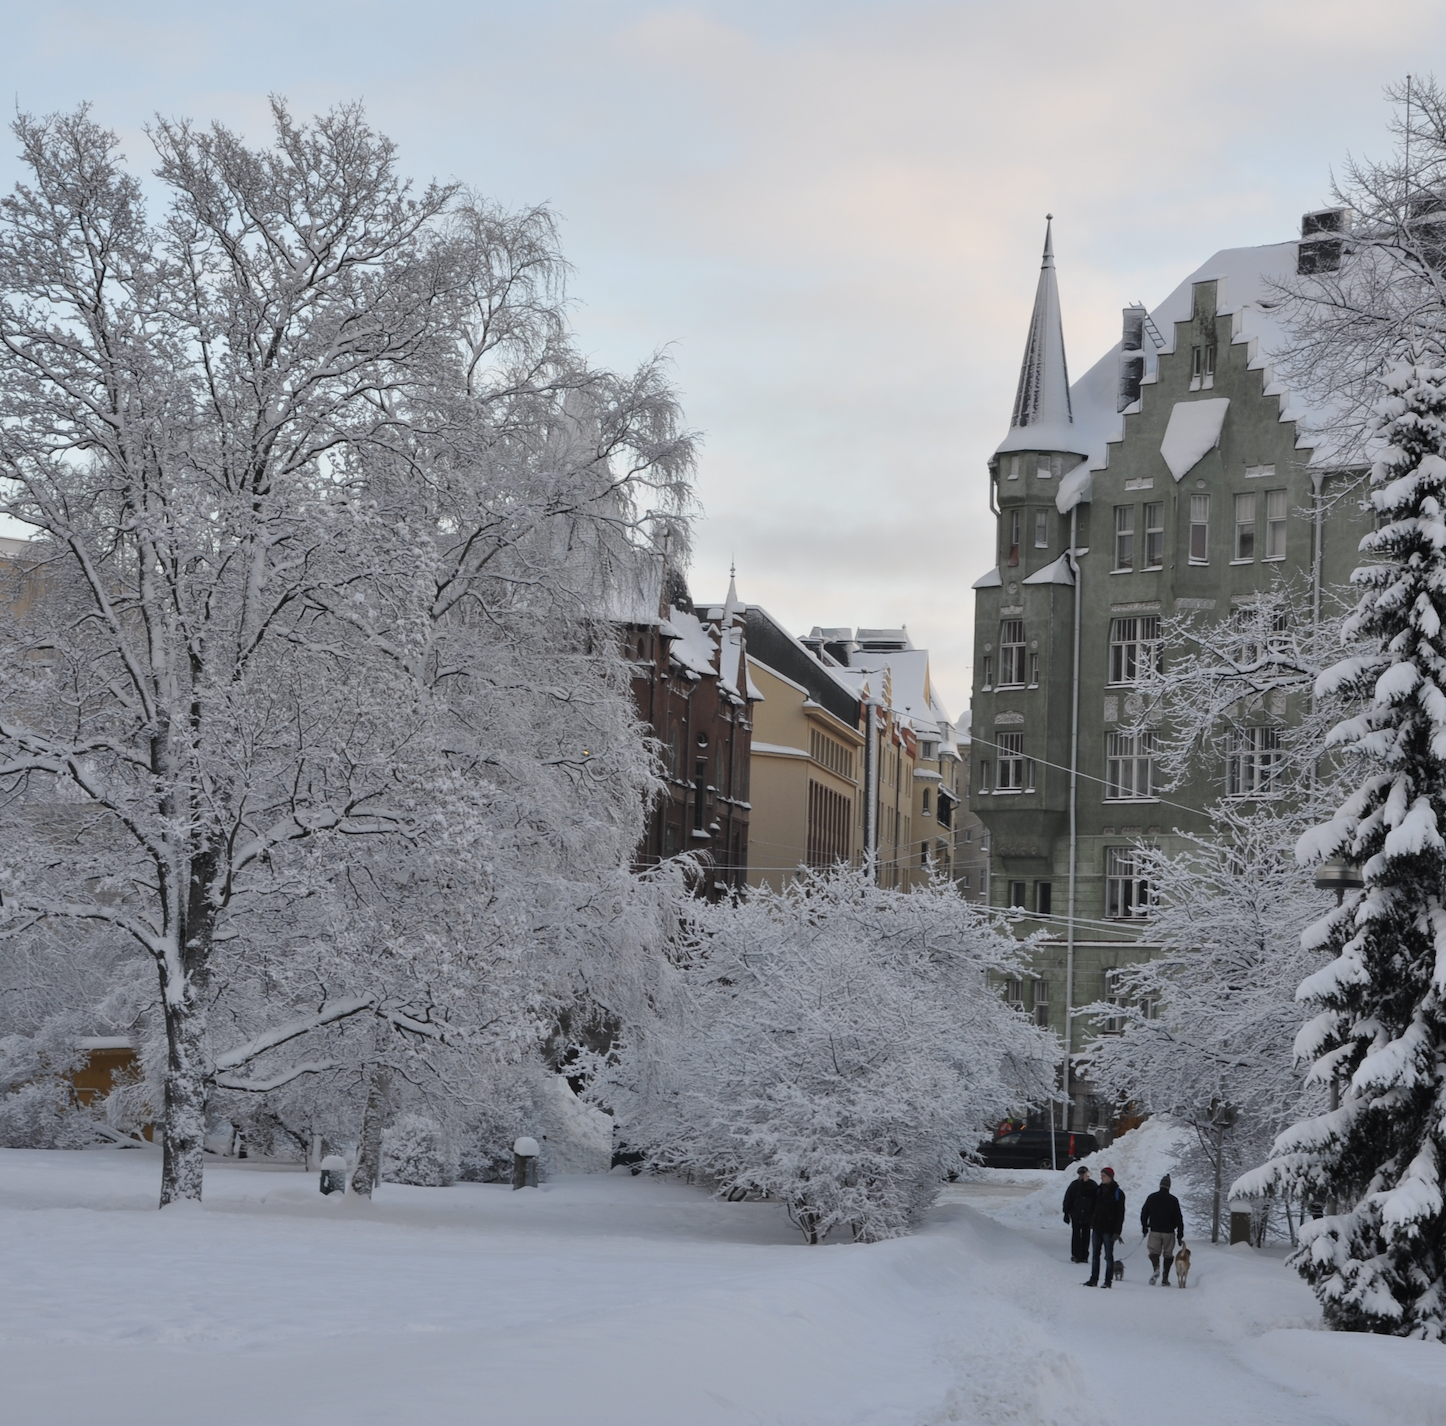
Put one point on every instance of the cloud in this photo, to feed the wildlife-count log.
(832, 211)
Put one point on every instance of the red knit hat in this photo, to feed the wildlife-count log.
(1111, 1172)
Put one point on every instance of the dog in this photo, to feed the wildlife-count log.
(1119, 1272)
(1182, 1264)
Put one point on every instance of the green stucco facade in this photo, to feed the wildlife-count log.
(1170, 569)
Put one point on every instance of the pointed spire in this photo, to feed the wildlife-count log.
(733, 604)
(1043, 418)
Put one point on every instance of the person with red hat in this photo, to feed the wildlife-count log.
(1106, 1224)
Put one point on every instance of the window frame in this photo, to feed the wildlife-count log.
(1244, 543)
(1009, 752)
(1129, 761)
(1199, 503)
(1128, 894)
(1012, 653)
(1154, 548)
(1041, 529)
(1146, 650)
(1253, 763)
(1124, 539)
(1276, 525)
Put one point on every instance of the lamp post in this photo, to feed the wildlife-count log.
(1340, 876)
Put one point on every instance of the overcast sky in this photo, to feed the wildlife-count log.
(829, 213)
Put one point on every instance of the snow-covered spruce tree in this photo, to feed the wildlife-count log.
(1377, 1036)
(1208, 1023)
(834, 1046)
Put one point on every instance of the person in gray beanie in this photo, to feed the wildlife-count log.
(1164, 1226)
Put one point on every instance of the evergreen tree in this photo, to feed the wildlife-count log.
(1378, 1032)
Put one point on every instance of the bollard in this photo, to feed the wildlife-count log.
(333, 1174)
(524, 1163)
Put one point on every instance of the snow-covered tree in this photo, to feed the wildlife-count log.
(1381, 287)
(1207, 1023)
(327, 515)
(1377, 1032)
(834, 1046)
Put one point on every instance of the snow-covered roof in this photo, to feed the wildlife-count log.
(1247, 291)
(1193, 431)
(990, 579)
(1056, 572)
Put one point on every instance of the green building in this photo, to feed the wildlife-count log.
(1177, 474)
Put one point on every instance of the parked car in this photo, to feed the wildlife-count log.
(1029, 1149)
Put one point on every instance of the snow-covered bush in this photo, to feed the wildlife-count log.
(833, 1046)
(1376, 1032)
(418, 1150)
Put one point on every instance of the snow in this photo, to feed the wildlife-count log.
(988, 580)
(1056, 572)
(616, 1300)
(1075, 488)
(1193, 431)
(526, 1147)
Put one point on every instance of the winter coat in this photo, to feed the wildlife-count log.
(1109, 1211)
(1079, 1200)
(1161, 1214)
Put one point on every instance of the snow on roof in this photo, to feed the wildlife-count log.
(1057, 572)
(692, 647)
(1248, 292)
(1075, 488)
(991, 579)
(1193, 431)
(913, 694)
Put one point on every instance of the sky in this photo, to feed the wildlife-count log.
(828, 214)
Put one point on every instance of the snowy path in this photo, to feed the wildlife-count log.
(620, 1300)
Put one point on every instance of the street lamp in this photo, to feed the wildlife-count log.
(1340, 876)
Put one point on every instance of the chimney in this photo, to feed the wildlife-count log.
(1132, 357)
(1322, 241)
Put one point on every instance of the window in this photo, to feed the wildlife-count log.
(1245, 526)
(1129, 766)
(1034, 670)
(1155, 534)
(830, 826)
(1015, 518)
(1041, 529)
(1017, 891)
(925, 804)
(1124, 536)
(1253, 762)
(1275, 515)
(831, 753)
(986, 672)
(1134, 648)
(1041, 991)
(1011, 653)
(1127, 893)
(1044, 904)
(1011, 762)
(984, 774)
(1014, 467)
(1199, 529)
(1202, 367)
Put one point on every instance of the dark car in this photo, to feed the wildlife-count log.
(1029, 1149)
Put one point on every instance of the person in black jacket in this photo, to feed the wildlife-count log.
(1162, 1220)
(1107, 1222)
(1079, 1207)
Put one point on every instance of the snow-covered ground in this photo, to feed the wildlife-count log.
(614, 1299)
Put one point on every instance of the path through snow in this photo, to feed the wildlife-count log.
(626, 1301)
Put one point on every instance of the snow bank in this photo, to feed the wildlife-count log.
(579, 1137)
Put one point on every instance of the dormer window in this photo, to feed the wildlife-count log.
(1202, 367)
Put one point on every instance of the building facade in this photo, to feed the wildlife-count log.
(690, 684)
(1176, 476)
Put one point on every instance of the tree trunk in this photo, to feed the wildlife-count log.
(183, 1138)
(1219, 1170)
(368, 1171)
